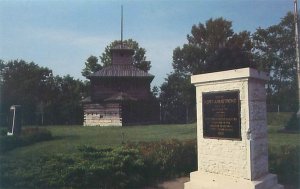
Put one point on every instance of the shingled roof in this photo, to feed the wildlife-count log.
(121, 71)
(122, 96)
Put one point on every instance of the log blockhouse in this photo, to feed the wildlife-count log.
(120, 93)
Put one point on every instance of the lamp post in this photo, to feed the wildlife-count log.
(297, 53)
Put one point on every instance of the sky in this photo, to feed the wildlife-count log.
(62, 34)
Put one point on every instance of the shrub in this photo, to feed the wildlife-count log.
(166, 159)
(285, 162)
(9, 142)
(293, 124)
(133, 165)
(89, 168)
(107, 168)
(130, 166)
(3, 131)
(27, 137)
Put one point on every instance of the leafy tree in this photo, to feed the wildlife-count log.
(2, 114)
(91, 66)
(139, 57)
(155, 91)
(275, 53)
(177, 97)
(66, 106)
(44, 98)
(211, 43)
(210, 47)
(23, 83)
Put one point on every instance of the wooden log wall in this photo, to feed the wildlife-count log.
(106, 114)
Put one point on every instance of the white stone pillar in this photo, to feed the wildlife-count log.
(232, 131)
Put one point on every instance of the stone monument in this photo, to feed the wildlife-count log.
(232, 131)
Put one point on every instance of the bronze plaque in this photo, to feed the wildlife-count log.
(221, 115)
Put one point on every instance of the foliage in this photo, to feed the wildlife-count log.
(63, 103)
(229, 58)
(155, 92)
(274, 49)
(45, 99)
(91, 66)
(210, 47)
(28, 136)
(168, 158)
(121, 167)
(178, 100)
(214, 46)
(285, 162)
(293, 124)
(139, 57)
(23, 84)
(3, 131)
(134, 165)
(55, 163)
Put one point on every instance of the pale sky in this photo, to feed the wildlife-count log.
(62, 34)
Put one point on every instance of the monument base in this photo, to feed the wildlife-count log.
(205, 180)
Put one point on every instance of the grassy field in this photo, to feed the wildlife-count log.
(276, 122)
(68, 138)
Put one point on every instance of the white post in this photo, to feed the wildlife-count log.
(13, 122)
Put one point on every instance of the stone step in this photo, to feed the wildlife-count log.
(268, 182)
(204, 180)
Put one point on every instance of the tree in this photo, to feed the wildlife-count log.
(23, 83)
(178, 98)
(155, 92)
(2, 110)
(139, 57)
(275, 53)
(91, 66)
(66, 105)
(44, 98)
(211, 47)
(210, 43)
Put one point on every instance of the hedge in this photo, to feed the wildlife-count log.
(28, 136)
(133, 165)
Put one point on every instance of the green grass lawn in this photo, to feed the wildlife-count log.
(68, 138)
(276, 122)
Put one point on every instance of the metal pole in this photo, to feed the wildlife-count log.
(160, 117)
(297, 52)
(122, 26)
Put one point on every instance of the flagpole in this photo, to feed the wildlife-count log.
(122, 26)
(297, 53)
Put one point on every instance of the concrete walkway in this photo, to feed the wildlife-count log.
(179, 184)
(171, 184)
